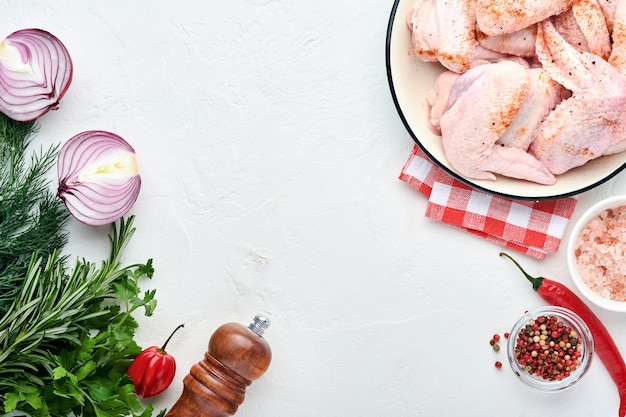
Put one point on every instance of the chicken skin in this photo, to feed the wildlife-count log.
(618, 52)
(585, 28)
(437, 99)
(496, 17)
(608, 10)
(481, 105)
(592, 24)
(542, 97)
(590, 123)
(567, 25)
(520, 43)
(445, 31)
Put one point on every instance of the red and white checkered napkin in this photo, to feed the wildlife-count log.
(531, 227)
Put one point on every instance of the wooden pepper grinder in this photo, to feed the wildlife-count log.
(216, 386)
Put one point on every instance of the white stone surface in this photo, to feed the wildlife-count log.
(270, 150)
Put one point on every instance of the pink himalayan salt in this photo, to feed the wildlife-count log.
(600, 249)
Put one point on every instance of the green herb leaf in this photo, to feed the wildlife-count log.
(67, 339)
(31, 217)
(27, 394)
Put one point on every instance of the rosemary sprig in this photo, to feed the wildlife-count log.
(31, 217)
(67, 338)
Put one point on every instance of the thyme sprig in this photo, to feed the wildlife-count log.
(67, 338)
(31, 217)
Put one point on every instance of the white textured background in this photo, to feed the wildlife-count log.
(269, 149)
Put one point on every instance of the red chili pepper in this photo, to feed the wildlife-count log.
(558, 294)
(152, 371)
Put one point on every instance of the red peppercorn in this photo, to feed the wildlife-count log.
(498, 364)
(543, 348)
(506, 335)
(496, 337)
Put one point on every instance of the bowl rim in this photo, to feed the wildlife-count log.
(390, 80)
(575, 321)
(588, 293)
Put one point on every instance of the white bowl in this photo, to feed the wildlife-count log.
(587, 292)
(410, 79)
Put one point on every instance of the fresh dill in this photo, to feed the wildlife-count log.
(31, 216)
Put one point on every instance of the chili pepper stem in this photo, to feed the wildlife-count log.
(172, 334)
(536, 281)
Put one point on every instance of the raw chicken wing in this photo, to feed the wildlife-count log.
(445, 31)
(567, 25)
(437, 99)
(482, 104)
(592, 24)
(618, 53)
(542, 97)
(608, 10)
(593, 120)
(520, 43)
(495, 17)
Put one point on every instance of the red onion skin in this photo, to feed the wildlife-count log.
(24, 98)
(104, 196)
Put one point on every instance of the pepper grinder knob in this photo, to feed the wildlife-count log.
(259, 324)
(215, 386)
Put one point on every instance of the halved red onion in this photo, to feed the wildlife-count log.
(98, 177)
(35, 72)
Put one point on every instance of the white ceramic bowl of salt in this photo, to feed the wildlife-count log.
(596, 254)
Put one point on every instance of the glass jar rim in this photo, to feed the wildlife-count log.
(573, 320)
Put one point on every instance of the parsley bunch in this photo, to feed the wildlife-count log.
(66, 341)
